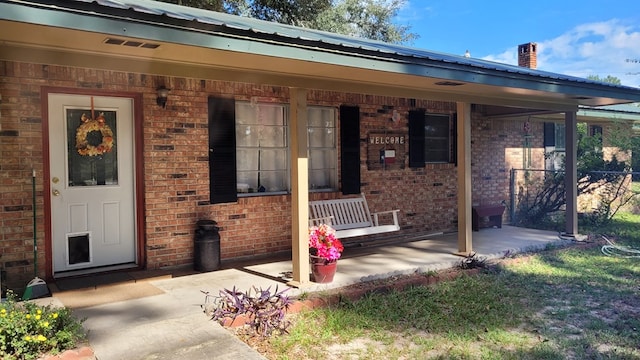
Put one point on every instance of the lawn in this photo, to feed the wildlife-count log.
(572, 303)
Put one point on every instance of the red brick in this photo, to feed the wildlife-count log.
(265, 222)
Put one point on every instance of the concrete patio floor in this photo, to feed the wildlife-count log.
(164, 320)
(433, 253)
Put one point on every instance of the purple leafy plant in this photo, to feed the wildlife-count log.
(264, 310)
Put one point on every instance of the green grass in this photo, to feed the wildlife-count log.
(569, 304)
(624, 227)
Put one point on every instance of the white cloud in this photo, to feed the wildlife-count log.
(509, 56)
(600, 48)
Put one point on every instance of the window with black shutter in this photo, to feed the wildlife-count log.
(432, 138)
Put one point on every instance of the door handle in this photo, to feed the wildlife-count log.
(55, 192)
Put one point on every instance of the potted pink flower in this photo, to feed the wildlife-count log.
(324, 250)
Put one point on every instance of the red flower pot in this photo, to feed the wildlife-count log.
(322, 269)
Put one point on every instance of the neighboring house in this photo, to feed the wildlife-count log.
(602, 121)
(534, 144)
(536, 140)
(259, 119)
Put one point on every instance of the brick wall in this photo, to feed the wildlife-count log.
(497, 147)
(176, 166)
(20, 152)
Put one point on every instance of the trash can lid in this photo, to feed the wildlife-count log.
(206, 222)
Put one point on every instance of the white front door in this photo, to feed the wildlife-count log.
(92, 181)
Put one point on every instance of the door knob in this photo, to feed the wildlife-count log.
(55, 192)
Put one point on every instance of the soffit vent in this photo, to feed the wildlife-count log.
(138, 44)
(449, 83)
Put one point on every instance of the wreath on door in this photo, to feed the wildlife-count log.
(94, 137)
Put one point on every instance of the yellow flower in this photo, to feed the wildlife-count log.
(39, 312)
(28, 316)
(54, 315)
(41, 338)
(38, 317)
(27, 338)
(3, 311)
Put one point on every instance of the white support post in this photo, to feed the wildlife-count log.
(299, 188)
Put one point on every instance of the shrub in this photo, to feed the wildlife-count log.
(263, 310)
(28, 330)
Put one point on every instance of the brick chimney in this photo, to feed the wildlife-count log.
(527, 55)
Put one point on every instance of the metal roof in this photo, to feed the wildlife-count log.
(260, 28)
(620, 108)
(624, 112)
(172, 23)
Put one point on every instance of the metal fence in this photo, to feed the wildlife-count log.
(525, 181)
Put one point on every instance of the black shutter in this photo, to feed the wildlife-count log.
(350, 149)
(454, 138)
(596, 130)
(416, 138)
(222, 150)
(549, 134)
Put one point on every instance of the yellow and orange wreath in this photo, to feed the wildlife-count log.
(83, 145)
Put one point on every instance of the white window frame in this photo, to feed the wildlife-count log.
(245, 126)
(257, 121)
(329, 178)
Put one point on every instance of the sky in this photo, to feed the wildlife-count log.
(578, 38)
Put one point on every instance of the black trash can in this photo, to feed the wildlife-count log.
(206, 254)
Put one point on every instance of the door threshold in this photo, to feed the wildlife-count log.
(96, 270)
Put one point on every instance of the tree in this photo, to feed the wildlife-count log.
(609, 79)
(215, 5)
(372, 19)
(292, 12)
(235, 7)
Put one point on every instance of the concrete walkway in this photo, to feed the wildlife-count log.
(171, 325)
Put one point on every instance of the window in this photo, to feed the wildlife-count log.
(596, 132)
(554, 145)
(437, 135)
(262, 148)
(560, 137)
(432, 138)
(322, 148)
(555, 142)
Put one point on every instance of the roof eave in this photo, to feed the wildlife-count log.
(148, 26)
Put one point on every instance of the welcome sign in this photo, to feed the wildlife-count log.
(386, 151)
